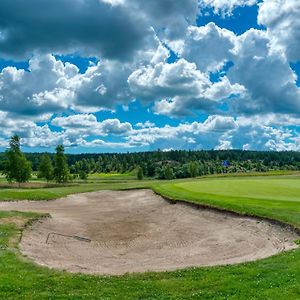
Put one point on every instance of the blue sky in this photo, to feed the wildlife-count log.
(129, 75)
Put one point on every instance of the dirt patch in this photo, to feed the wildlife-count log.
(137, 231)
(18, 221)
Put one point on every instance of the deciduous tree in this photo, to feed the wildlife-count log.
(46, 168)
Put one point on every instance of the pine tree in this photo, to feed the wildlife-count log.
(61, 169)
(169, 173)
(17, 167)
(140, 174)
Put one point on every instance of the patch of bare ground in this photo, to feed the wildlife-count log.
(18, 221)
(138, 231)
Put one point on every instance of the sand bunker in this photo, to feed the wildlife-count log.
(137, 231)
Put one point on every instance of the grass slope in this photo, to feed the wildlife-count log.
(272, 197)
(277, 277)
(9, 194)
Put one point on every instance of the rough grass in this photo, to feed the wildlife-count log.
(277, 277)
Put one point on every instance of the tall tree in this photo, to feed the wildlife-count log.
(61, 169)
(17, 167)
(193, 169)
(140, 173)
(46, 168)
(169, 172)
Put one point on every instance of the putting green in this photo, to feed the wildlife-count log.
(271, 197)
(256, 188)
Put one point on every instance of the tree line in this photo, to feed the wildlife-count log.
(62, 167)
(182, 164)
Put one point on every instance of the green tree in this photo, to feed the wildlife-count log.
(61, 169)
(193, 169)
(83, 175)
(169, 173)
(17, 167)
(140, 174)
(45, 169)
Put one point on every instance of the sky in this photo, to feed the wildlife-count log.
(133, 75)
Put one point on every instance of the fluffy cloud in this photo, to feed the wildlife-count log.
(219, 123)
(87, 124)
(50, 86)
(71, 131)
(167, 81)
(85, 130)
(38, 90)
(103, 86)
(179, 88)
(281, 17)
(226, 7)
(195, 135)
(259, 81)
(103, 28)
(271, 119)
(245, 83)
(208, 46)
(219, 132)
(146, 124)
(169, 18)
(257, 136)
(32, 134)
(66, 26)
(260, 78)
(266, 74)
(262, 74)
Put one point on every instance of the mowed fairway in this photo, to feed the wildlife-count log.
(276, 277)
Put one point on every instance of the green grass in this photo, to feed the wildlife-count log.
(62, 191)
(95, 182)
(272, 197)
(112, 176)
(277, 277)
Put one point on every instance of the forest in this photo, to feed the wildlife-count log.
(174, 164)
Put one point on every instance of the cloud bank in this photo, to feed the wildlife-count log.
(207, 80)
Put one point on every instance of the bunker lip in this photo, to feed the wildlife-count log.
(228, 212)
(118, 232)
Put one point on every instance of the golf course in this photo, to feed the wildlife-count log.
(273, 197)
(150, 150)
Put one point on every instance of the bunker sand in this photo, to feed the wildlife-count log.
(138, 231)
